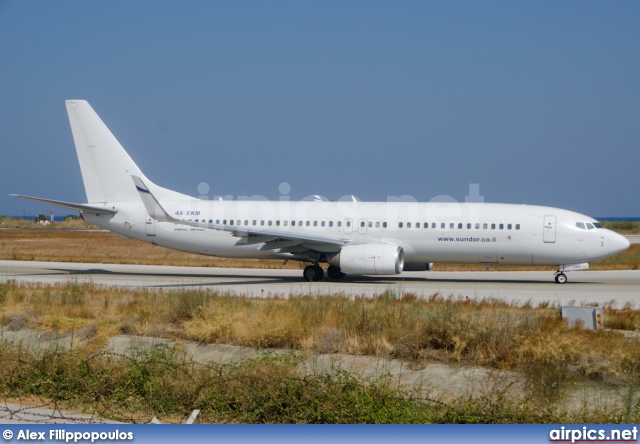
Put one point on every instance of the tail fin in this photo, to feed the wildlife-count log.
(105, 165)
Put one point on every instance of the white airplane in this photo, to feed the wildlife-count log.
(366, 238)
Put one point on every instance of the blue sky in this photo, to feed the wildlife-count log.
(536, 101)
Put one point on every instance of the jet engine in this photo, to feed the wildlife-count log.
(369, 259)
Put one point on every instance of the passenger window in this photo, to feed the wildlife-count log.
(293, 223)
(580, 225)
(308, 223)
(339, 223)
(460, 226)
(269, 223)
(254, 222)
(277, 223)
(442, 225)
(224, 222)
(502, 226)
(468, 226)
(348, 223)
(218, 221)
(331, 223)
(362, 224)
(261, 222)
(210, 221)
(408, 224)
(417, 224)
(196, 220)
(433, 225)
(451, 225)
(285, 223)
(517, 226)
(508, 226)
(230, 222)
(315, 223)
(370, 224)
(384, 225)
(238, 222)
(246, 222)
(377, 224)
(322, 224)
(484, 226)
(493, 226)
(399, 224)
(477, 226)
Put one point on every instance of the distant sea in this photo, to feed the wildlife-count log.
(55, 218)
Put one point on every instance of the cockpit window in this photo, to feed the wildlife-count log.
(590, 226)
(580, 225)
(597, 225)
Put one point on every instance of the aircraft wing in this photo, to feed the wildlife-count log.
(272, 240)
(72, 206)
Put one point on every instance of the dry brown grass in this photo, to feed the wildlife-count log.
(104, 247)
(107, 248)
(480, 332)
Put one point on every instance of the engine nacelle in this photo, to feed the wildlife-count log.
(370, 259)
(418, 266)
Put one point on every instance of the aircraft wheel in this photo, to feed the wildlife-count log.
(561, 278)
(313, 273)
(334, 272)
(319, 273)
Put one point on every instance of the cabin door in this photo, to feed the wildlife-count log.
(549, 229)
(150, 225)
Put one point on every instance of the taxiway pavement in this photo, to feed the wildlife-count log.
(583, 287)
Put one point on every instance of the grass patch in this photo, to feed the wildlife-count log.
(622, 226)
(164, 382)
(485, 332)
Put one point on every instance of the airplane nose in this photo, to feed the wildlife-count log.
(618, 243)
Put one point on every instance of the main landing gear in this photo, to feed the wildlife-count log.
(315, 273)
(334, 272)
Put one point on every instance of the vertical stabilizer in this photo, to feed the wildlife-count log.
(106, 167)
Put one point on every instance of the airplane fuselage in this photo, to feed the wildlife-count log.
(427, 232)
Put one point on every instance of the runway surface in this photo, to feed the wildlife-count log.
(537, 286)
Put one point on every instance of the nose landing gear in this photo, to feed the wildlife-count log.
(561, 278)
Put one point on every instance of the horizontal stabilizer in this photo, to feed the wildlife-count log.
(95, 209)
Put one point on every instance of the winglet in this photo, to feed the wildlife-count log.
(152, 205)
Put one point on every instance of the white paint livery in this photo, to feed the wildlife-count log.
(371, 238)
